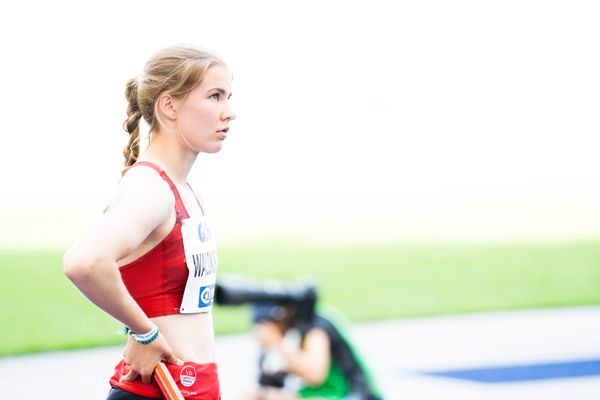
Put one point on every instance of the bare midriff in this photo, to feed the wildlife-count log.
(191, 336)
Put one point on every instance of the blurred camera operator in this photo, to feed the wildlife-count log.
(305, 351)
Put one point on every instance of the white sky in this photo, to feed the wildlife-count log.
(422, 100)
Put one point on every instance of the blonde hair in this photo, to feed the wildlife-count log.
(175, 71)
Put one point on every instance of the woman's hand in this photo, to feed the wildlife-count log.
(143, 358)
(269, 334)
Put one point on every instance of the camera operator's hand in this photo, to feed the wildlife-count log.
(269, 334)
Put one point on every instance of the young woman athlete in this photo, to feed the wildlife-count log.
(150, 260)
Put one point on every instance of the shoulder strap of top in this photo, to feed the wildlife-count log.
(179, 206)
(197, 200)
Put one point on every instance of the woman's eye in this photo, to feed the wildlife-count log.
(215, 96)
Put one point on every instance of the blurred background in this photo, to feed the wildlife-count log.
(436, 157)
(418, 121)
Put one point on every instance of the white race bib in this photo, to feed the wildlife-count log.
(201, 259)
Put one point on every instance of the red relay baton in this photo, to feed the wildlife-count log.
(167, 384)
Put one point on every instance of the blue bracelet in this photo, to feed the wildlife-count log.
(144, 338)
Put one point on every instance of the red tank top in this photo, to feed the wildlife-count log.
(157, 279)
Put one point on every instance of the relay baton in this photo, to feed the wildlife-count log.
(165, 381)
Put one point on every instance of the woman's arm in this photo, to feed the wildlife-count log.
(145, 204)
(310, 362)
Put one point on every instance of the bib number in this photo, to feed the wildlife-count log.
(201, 260)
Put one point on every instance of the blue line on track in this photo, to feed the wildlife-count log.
(528, 372)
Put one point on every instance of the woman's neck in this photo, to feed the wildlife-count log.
(175, 159)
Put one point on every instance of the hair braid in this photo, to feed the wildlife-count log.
(132, 124)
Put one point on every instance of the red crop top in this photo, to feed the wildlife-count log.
(157, 279)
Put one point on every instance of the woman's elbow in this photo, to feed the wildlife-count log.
(76, 268)
(316, 376)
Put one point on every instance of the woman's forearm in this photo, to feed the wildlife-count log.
(310, 367)
(100, 282)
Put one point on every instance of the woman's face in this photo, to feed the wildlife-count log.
(203, 116)
(269, 333)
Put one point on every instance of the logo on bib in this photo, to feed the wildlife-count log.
(187, 376)
(203, 232)
(206, 296)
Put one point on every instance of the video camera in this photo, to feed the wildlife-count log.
(294, 302)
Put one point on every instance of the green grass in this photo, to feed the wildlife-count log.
(41, 310)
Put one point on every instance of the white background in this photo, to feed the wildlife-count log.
(420, 120)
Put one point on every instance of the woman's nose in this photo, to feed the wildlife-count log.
(228, 114)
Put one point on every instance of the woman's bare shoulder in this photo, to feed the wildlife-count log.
(145, 187)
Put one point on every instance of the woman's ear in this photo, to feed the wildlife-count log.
(166, 106)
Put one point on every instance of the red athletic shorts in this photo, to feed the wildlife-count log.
(195, 381)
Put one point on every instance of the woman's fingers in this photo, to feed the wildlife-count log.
(147, 377)
(131, 376)
(171, 359)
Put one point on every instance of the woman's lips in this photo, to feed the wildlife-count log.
(222, 134)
